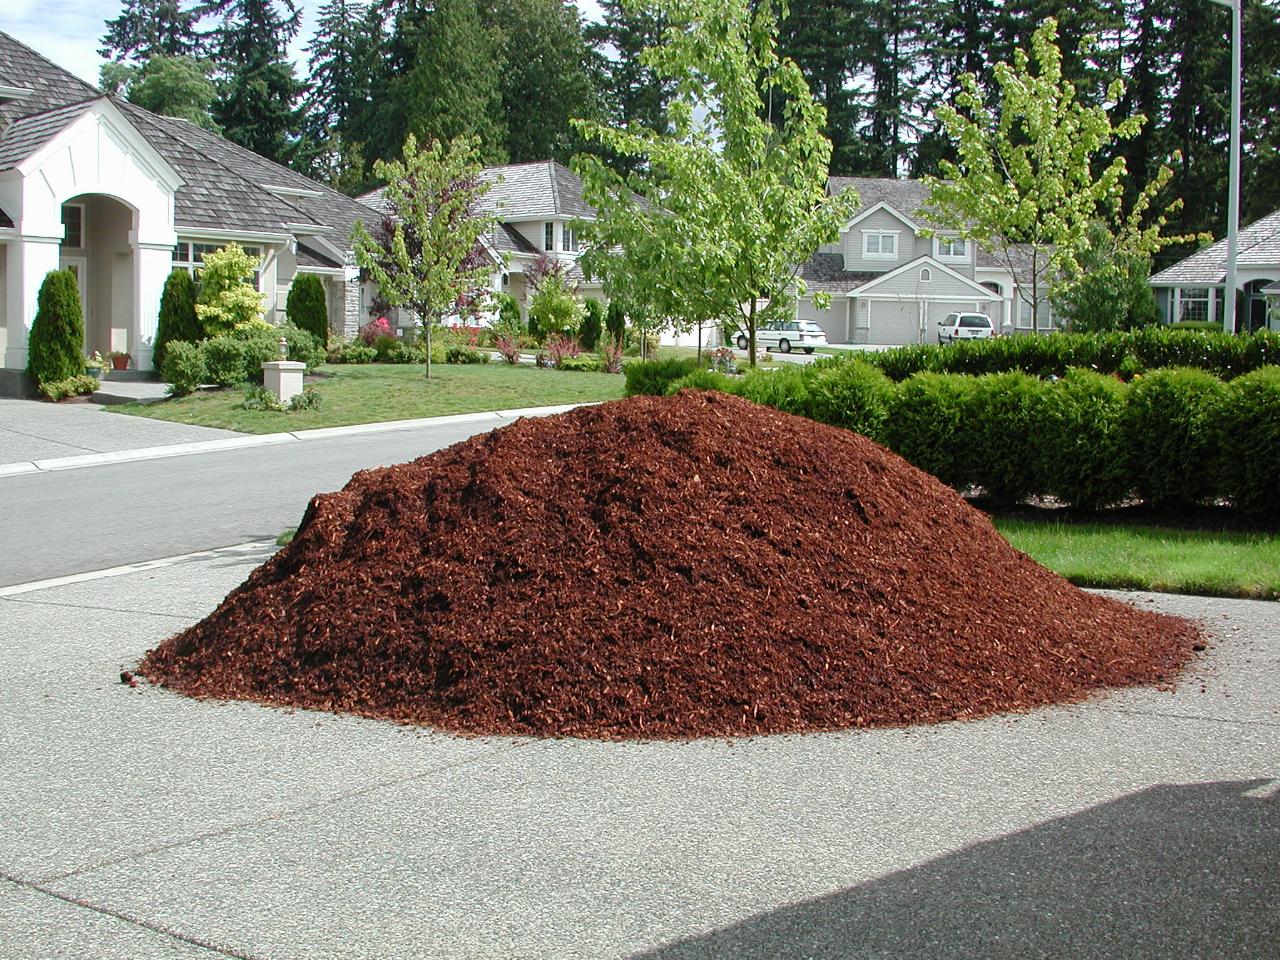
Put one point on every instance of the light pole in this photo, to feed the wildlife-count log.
(1233, 177)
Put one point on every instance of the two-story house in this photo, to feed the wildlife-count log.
(890, 284)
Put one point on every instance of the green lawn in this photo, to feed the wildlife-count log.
(1209, 563)
(369, 393)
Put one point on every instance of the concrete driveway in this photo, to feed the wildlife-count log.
(141, 824)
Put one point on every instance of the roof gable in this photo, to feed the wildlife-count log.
(979, 291)
(1258, 245)
(886, 206)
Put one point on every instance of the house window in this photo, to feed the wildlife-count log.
(549, 237)
(190, 254)
(926, 275)
(569, 240)
(73, 225)
(1193, 305)
(953, 248)
(881, 246)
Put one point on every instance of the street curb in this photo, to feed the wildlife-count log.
(54, 464)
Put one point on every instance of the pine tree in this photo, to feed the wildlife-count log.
(177, 320)
(338, 61)
(549, 78)
(148, 28)
(306, 308)
(819, 37)
(257, 98)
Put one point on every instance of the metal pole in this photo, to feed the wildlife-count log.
(1233, 198)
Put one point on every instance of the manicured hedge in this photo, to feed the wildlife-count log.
(1172, 436)
(654, 376)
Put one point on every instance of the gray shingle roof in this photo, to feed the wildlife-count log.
(50, 85)
(24, 135)
(825, 273)
(1258, 246)
(905, 196)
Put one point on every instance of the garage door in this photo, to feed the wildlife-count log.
(894, 323)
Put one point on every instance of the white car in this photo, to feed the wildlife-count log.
(965, 326)
(785, 336)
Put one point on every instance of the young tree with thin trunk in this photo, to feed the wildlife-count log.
(730, 202)
(427, 253)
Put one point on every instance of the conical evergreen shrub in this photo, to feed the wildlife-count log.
(55, 348)
(306, 306)
(177, 315)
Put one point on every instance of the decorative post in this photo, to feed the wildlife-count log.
(283, 377)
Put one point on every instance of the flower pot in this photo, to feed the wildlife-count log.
(120, 363)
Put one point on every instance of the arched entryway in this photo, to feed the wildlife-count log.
(96, 246)
(1254, 314)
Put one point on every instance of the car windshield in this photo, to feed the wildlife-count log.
(808, 326)
(975, 321)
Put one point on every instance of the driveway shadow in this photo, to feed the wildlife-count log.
(1170, 872)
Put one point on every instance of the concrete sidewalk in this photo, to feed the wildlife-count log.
(141, 824)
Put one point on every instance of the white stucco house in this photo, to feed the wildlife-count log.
(1192, 289)
(890, 284)
(121, 197)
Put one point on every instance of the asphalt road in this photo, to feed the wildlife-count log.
(73, 521)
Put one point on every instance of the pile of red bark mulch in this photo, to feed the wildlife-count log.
(660, 567)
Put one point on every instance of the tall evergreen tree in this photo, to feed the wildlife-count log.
(338, 64)
(148, 28)
(820, 37)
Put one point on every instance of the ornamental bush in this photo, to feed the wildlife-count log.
(1006, 424)
(56, 390)
(615, 321)
(652, 377)
(582, 362)
(553, 309)
(224, 361)
(306, 307)
(177, 320)
(56, 342)
(1171, 436)
(927, 422)
(1083, 455)
(592, 326)
(850, 394)
(227, 295)
(1248, 422)
(704, 380)
(183, 368)
(460, 354)
(508, 311)
(785, 388)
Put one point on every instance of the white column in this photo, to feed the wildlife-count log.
(30, 259)
(152, 264)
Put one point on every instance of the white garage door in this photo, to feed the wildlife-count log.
(894, 323)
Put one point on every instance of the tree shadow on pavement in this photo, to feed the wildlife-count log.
(1169, 872)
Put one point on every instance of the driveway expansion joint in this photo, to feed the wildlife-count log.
(1167, 715)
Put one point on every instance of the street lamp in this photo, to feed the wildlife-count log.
(1233, 177)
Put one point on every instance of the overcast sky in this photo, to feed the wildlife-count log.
(69, 33)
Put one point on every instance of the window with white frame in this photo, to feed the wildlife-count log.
(1193, 304)
(549, 237)
(952, 248)
(188, 255)
(880, 244)
(569, 240)
(926, 275)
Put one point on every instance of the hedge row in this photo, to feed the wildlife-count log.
(1126, 353)
(1172, 437)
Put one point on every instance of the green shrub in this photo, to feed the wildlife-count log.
(583, 363)
(553, 309)
(1222, 354)
(1083, 454)
(784, 388)
(1170, 433)
(615, 321)
(56, 341)
(1206, 326)
(258, 350)
(227, 295)
(850, 394)
(306, 307)
(704, 380)
(652, 377)
(460, 354)
(1006, 421)
(1248, 425)
(183, 368)
(224, 361)
(353, 352)
(56, 390)
(927, 424)
(508, 311)
(308, 399)
(177, 320)
(260, 398)
(592, 326)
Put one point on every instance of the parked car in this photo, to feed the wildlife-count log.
(785, 336)
(965, 326)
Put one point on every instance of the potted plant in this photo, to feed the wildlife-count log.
(95, 366)
(119, 360)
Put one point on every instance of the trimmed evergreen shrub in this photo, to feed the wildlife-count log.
(56, 343)
(592, 326)
(1084, 459)
(458, 354)
(183, 368)
(704, 380)
(1006, 420)
(615, 321)
(177, 320)
(224, 361)
(652, 377)
(850, 394)
(927, 423)
(582, 363)
(1248, 423)
(1170, 434)
(784, 388)
(306, 307)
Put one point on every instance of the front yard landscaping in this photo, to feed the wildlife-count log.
(371, 393)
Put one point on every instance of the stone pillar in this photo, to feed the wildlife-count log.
(30, 260)
(351, 306)
(152, 264)
(283, 378)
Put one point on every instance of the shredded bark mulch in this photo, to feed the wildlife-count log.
(660, 567)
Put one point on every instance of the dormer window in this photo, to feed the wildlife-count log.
(880, 244)
(549, 237)
(953, 248)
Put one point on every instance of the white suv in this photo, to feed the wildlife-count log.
(965, 326)
(786, 335)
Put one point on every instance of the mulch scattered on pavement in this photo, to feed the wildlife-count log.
(661, 567)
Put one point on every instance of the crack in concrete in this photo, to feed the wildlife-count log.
(90, 606)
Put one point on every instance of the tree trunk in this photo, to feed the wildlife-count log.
(751, 333)
(427, 328)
